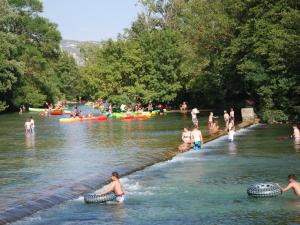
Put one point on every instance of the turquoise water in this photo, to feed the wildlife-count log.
(207, 187)
(62, 161)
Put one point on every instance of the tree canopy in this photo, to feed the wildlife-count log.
(210, 53)
(33, 69)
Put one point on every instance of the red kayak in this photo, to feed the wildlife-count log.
(127, 117)
(94, 118)
(82, 119)
(57, 112)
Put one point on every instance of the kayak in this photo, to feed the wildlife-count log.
(57, 112)
(140, 117)
(118, 115)
(36, 110)
(78, 119)
(129, 117)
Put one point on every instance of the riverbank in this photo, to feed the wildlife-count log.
(90, 182)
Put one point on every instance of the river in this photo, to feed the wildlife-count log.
(62, 160)
(207, 187)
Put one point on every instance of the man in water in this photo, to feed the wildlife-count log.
(196, 138)
(231, 114)
(194, 113)
(226, 118)
(116, 187)
(31, 124)
(27, 126)
(211, 118)
(296, 132)
(293, 184)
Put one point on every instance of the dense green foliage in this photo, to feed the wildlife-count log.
(210, 53)
(32, 67)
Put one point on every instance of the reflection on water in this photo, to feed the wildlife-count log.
(30, 140)
(232, 148)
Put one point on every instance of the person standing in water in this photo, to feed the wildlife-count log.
(231, 134)
(186, 138)
(211, 118)
(194, 113)
(226, 118)
(196, 138)
(231, 114)
(27, 126)
(296, 132)
(293, 184)
(115, 187)
(31, 124)
(183, 107)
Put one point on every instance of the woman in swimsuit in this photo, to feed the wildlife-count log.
(186, 136)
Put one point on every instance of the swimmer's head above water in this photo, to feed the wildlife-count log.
(292, 177)
(115, 176)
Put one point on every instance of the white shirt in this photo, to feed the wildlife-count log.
(194, 113)
(32, 123)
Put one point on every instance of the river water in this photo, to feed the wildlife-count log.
(207, 187)
(62, 160)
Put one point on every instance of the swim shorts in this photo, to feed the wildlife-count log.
(197, 145)
(120, 198)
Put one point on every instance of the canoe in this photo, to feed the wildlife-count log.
(56, 112)
(36, 110)
(78, 119)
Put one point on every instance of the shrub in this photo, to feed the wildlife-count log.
(274, 116)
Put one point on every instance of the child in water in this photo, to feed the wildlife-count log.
(231, 134)
(115, 187)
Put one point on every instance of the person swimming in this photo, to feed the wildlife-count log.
(115, 187)
(293, 184)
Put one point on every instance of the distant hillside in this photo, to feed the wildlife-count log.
(73, 48)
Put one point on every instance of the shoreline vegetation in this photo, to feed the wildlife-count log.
(212, 54)
(12, 215)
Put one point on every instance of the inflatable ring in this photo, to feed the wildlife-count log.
(261, 190)
(94, 198)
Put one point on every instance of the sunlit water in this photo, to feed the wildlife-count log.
(207, 187)
(63, 160)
